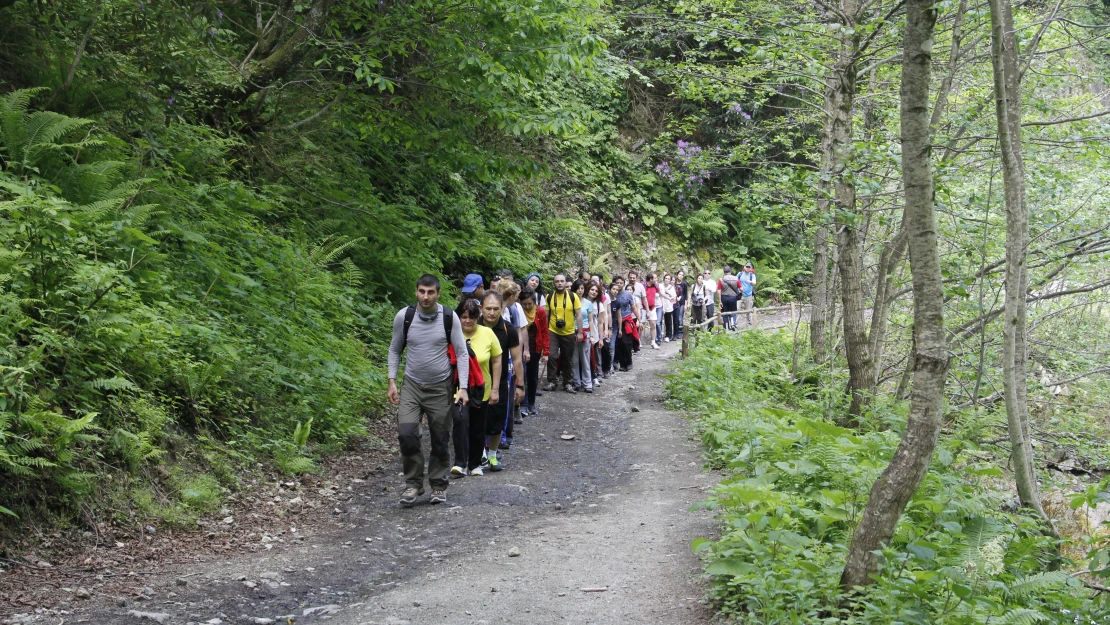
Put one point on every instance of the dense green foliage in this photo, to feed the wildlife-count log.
(796, 483)
(140, 307)
(210, 212)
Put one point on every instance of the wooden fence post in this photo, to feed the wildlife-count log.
(793, 313)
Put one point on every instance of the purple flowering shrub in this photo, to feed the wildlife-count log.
(687, 171)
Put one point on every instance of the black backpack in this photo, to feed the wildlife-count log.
(475, 381)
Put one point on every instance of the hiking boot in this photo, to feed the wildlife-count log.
(505, 444)
(570, 389)
(550, 386)
(518, 418)
(408, 498)
(438, 496)
(457, 472)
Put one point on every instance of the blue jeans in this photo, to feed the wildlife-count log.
(659, 325)
(679, 318)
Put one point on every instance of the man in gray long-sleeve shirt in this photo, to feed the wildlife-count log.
(428, 388)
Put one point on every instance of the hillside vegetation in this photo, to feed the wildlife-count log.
(209, 212)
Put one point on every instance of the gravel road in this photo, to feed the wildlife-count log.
(591, 530)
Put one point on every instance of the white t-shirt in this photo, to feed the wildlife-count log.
(667, 294)
(640, 293)
(521, 320)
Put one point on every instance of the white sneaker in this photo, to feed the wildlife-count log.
(476, 471)
(457, 471)
(654, 345)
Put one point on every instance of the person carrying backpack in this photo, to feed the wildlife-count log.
(729, 288)
(423, 333)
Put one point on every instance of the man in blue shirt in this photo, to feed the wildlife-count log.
(747, 295)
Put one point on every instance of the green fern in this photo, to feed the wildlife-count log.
(1022, 616)
(331, 248)
(112, 384)
(1037, 584)
(294, 464)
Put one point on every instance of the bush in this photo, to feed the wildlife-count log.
(796, 485)
(136, 311)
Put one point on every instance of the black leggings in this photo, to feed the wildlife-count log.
(606, 356)
(468, 435)
(668, 324)
(624, 352)
(532, 379)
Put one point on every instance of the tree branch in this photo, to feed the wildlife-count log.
(1066, 121)
(78, 53)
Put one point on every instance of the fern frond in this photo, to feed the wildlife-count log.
(1038, 583)
(331, 248)
(1022, 616)
(43, 129)
(112, 384)
(349, 273)
(13, 109)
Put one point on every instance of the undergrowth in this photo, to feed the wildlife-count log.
(794, 488)
(156, 337)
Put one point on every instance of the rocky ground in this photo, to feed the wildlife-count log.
(596, 529)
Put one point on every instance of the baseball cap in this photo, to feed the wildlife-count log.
(472, 282)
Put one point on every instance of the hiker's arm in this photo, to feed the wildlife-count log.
(458, 340)
(495, 378)
(522, 333)
(518, 372)
(395, 357)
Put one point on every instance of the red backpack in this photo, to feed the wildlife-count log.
(475, 379)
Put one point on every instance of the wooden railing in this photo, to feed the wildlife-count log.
(796, 310)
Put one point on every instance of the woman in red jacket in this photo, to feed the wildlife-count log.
(538, 343)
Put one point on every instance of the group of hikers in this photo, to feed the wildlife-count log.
(475, 371)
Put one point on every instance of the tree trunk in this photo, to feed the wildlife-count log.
(849, 236)
(1007, 91)
(819, 293)
(893, 489)
(889, 259)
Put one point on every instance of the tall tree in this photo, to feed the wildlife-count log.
(911, 460)
(849, 238)
(1007, 98)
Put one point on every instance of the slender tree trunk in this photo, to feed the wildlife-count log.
(849, 239)
(839, 103)
(889, 259)
(893, 489)
(819, 293)
(1007, 90)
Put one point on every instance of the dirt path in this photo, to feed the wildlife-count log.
(608, 510)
